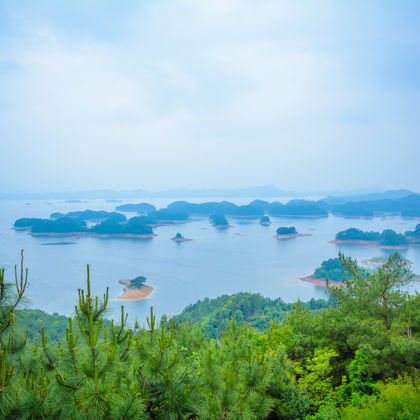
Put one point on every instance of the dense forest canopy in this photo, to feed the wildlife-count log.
(357, 357)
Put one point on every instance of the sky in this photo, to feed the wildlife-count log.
(155, 95)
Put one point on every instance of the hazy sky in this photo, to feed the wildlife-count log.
(217, 93)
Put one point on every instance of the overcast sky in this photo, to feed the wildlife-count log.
(218, 93)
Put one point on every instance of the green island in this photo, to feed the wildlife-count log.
(387, 239)
(76, 226)
(353, 356)
(331, 269)
(265, 221)
(287, 232)
(219, 221)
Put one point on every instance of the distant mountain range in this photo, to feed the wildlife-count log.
(265, 191)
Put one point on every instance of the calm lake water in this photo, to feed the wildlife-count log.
(244, 258)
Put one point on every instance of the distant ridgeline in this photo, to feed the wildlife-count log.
(181, 211)
(388, 237)
(408, 206)
(252, 309)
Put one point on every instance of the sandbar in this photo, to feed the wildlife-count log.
(370, 244)
(291, 235)
(129, 293)
(175, 239)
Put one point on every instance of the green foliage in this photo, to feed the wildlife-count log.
(286, 230)
(253, 309)
(331, 269)
(137, 282)
(354, 234)
(315, 375)
(219, 220)
(399, 399)
(307, 360)
(31, 320)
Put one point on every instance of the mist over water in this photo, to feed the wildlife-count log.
(245, 258)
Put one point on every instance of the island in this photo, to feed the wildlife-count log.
(331, 269)
(90, 215)
(413, 235)
(378, 261)
(388, 239)
(219, 221)
(136, 289)
(180, 238)
(287, 233)
(72, 226)
(265, 221)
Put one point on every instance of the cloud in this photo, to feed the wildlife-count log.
(191, 93)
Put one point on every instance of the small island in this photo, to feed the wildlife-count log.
(180, 238)
(378, 261)
(265, 221)
(288, 232)
(331, 269)
(136, 289)
(219, 221)
(388, 239)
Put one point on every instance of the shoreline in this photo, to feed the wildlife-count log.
(94, 235)
(370, 244)
(175, 239)
(298, 216)
(291, 235)
(321, 281)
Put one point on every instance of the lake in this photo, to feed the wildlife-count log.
(243, 258)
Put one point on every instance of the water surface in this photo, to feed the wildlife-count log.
(216, 262)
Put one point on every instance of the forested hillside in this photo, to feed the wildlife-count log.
(357, 359)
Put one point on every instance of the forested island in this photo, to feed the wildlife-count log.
(355, 356)
(136, 289)
(74, 226)
(219, 221)
(287, 232)
(332, 269)
(387, 239)
(265, 221)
